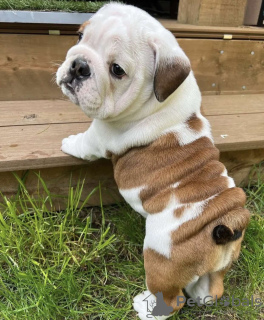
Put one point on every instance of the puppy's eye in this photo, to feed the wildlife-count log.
(80, 36)
(117, 71)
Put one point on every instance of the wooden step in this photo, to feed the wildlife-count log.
(31, 134)
(31, 131)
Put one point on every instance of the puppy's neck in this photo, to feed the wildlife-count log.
(180, 113)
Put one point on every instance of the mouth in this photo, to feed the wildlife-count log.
(69, 87)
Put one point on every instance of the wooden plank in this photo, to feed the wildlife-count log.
(238, 132)
(224, 67)
(188, 11)
(36, 146)
(233, 104)
(27, 65)
(39, 112)
(212, 12)
(21, 113)
(240, 163)
(60, 180)
(178, 29)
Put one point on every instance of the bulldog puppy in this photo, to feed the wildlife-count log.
(129, 74)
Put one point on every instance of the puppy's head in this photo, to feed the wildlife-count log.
(123, 59)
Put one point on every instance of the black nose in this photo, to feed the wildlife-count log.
(80, 69)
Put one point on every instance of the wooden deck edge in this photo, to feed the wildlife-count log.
(95, 178)
(179, 30)
(59, 181)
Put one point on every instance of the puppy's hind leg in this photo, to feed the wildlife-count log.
(208, 287)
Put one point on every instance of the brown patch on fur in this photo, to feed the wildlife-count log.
(163, 163)
(82, 27)
(216, 283)
(179, 212)
(200, 190)
(169, 77)
(229, 202)
(195, 255)
(194, 123)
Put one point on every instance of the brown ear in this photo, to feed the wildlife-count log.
(169, 76)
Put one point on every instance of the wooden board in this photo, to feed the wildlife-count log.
(28, 65)
(178, 29)
(212, 12)
(38, 145)
(60, 180)
(233, 104)
(238, 132)
(18, 113)
(224, 67)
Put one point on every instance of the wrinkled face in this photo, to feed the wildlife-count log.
(111, 69)
(107, 69)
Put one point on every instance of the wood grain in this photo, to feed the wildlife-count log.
(60, 180)
(178, 29)
(238, 132)
(15, 113)
(221, 67)
(28, 65)
(233, 104)
(212, 12)
(189, 11)
(224, 67)
(21, 113)
(36, 146)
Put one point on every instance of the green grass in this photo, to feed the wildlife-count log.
(88, 264)
(52, 5)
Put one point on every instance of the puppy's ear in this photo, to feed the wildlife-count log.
(171, 67)
(223, 234)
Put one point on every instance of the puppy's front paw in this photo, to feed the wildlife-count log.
(71, 145)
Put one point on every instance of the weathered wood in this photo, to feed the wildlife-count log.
(233, 104)
(212, 12)
(178, 29)
(224, 67)
(238, 132)
(240, 164)
(20, 113)
(38, 145)
(59, 181)
(220, 66)
(28, 65)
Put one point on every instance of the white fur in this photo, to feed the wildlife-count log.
(225, 257)
(159, 226)
(199, 287)
(231, 182)
(118, 136)
(132, 197)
